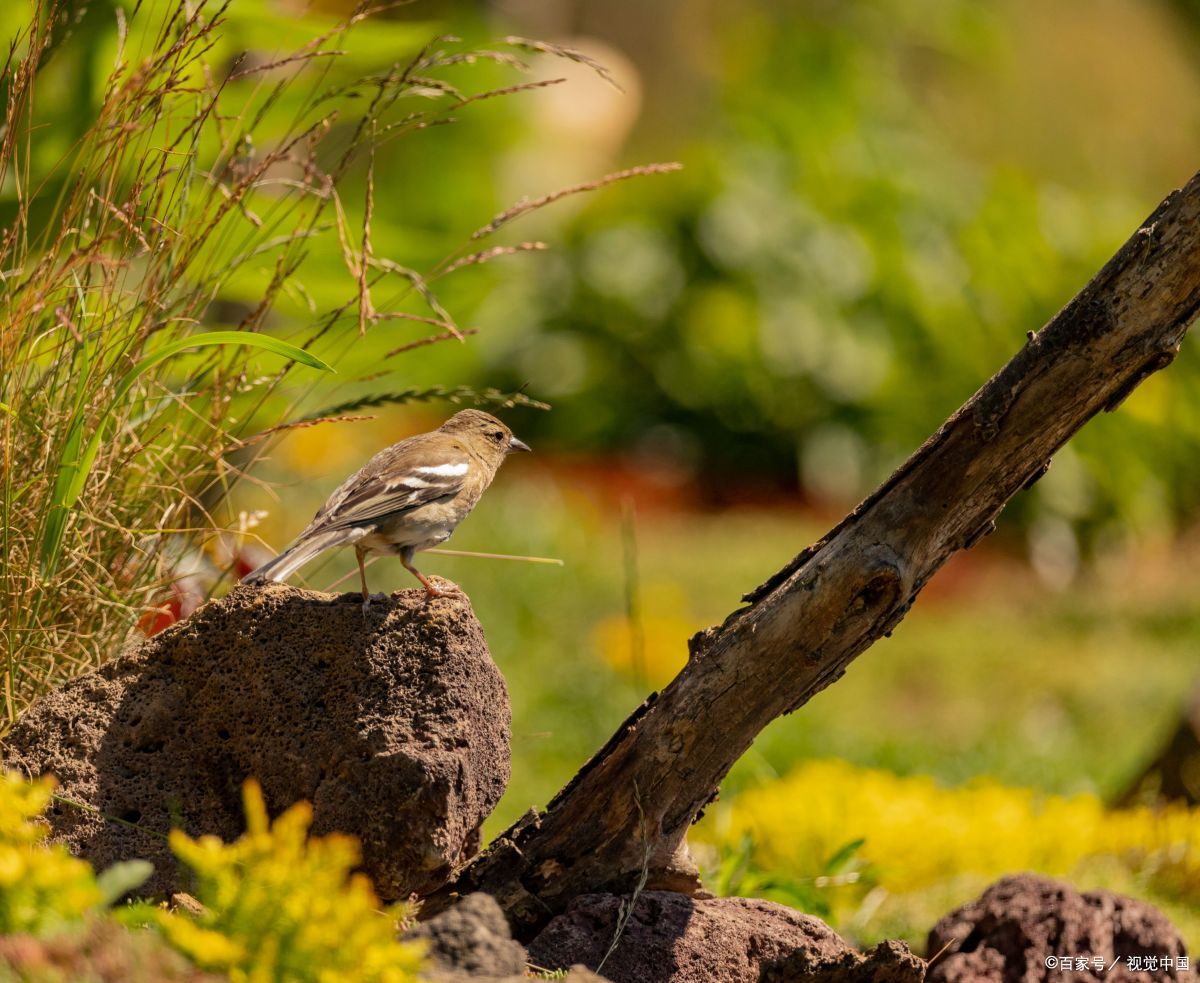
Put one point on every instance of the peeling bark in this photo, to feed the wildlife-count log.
(636, 798)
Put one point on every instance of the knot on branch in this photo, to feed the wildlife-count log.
(876, 589)
(882, 589)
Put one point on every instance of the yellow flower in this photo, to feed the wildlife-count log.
(42, 887)
(280, 905)
(926, 848)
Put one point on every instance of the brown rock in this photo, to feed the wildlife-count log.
(673, 938)
(1006, 935)
(393, 724)
(471, 943)
(888, 962)
(473, 939)
(102, 952)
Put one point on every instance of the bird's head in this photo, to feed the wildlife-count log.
(487, 436)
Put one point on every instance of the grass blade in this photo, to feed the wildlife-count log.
(75, 466)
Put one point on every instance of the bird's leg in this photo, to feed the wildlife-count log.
(360, 553)
(406, 556)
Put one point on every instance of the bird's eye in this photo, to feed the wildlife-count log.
(497, 435)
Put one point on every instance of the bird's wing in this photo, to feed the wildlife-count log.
(415, 472)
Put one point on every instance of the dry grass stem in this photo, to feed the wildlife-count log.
(526, 205)
(432, 340)
(562, 51)
(137, 356)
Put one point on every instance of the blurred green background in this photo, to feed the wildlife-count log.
(878, 200)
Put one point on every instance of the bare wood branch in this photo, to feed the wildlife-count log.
(808, 622)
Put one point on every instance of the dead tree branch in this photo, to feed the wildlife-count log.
(804, 626)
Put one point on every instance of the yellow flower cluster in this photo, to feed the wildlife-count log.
(281, 906)
(42, 887)
(925, 847)
(277, 904)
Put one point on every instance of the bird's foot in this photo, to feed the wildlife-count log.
(442, 588)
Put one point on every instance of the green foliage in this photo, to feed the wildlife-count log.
(43, 889)
(739, 873)
(831, 277)
(282, 906)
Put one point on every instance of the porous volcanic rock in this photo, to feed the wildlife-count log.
(394, 724)
(472, 938)
(889, 962)
(674, 938)
(471, 943)
(1006, 935)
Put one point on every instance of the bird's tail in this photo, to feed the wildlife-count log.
(299, 553)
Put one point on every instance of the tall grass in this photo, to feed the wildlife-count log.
(128, 375)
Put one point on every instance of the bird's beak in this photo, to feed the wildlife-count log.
(518, 445)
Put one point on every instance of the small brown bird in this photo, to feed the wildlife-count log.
(408, 497)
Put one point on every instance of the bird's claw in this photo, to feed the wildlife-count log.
(447, 588)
